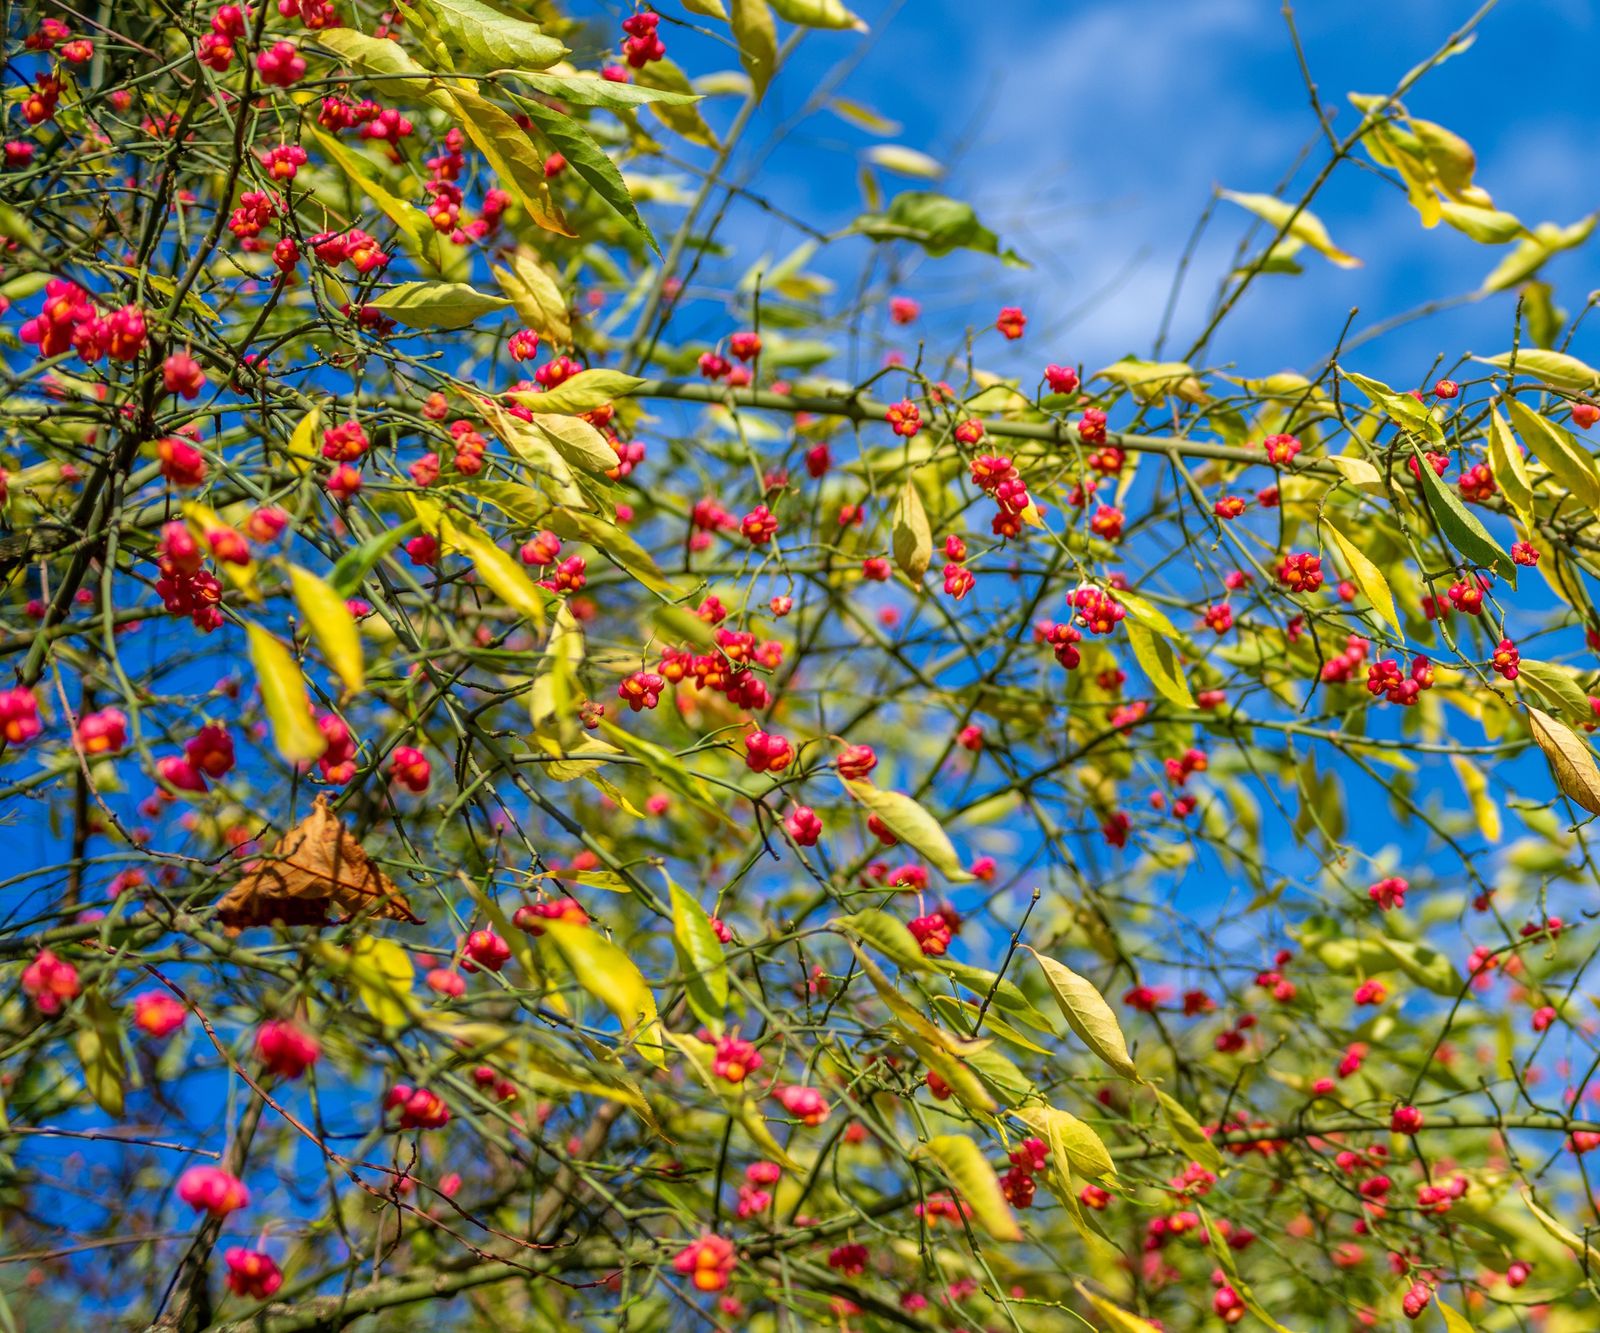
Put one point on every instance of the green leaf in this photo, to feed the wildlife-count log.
(590, 161)
(1509, 467)
(912, 537)
(1569, 462)
(1088, 1015)
(913, 825)
(757, 36)
(700, 958)
(889, 936)
(497, 40)
(610, 976)
(1459, 525)
(1583, 1252)
(963, 1162)
(1423, 964)
(537, 296)
(576, 441)
(1558, 686)
(436, 305)
(382, 59)
(1070, 1140)
(283, 694)
(323, 608)
(1153, 381)
(1192, 1140)
(353, 566)
(1369, 578)
(1489, 226)
(98, 1043)
(1306, 227)
(817, 14)
(613, 542)
(584, 392)
(1570, 759)
(936, 222)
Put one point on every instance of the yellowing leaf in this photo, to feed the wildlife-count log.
(757, 36)
(382, 973)
(330, 620)
(283, 695)
(1569, 758)
(1509, 467)
(491, 38)
(1569, 462)
(963, 1162)
(1454, 1321)
(410, 219)
(1088, 1015)
(1151, 381)
(517, 163)
(584, 392)
(1306, 227)
(913, 825)
(1555, 368)
(610, 976)
(436, 305)
(1401, 408)
(817, 14)
(500, 573)
(1116, 1318)
(1529, 255)
(1070, 1140)
(537, 296)
(1159, 659)
(1584, 1253)
(576, 441)
(1369, 578)
(1186, 1130)
(98, 1043)
(912, 537)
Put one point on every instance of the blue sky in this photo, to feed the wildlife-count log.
(1091, 136)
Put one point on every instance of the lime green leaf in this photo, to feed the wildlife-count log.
(324, 609)
(283, 695)
(1554, 368)
(537, 296)
(1306, 227)
(1509, 467)
(1559, 686)
(1369, 578)
(98, 1043)
(1088, 1015)
(436, 305)
(758, 41)
(700, 958)
(576, 441)
(1152, 381)
(913, 825)
(381, 59)
(585, 88)
(613, 542)
(589, 160)
(1192, 1140)
(1459, 525)
(383, 974)
(912, 537)
(492, 38)
(963, 1162)
(1488, 226)
(1582, 1251)
(610, 976)
(887, 934)
(1570, 759)
(584, 392)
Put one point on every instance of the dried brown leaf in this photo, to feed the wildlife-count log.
(316, 866)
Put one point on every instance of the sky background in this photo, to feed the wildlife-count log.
(1091, 136)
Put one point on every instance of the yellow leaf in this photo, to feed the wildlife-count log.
(503, 575)
(1369, 578)
(757, 36)
(283, 695)
(204, 521)
(382, 974)
(537, 296)
(1070, 1140)
(1509, 467)
(330, 620)
(98, 1044)
(913, 825)
(576, 441)
(517, 164)
(1586, 1254)
(1160, 662)
(1570, 759)
(1117, 1319)
(1569, 462)
(964, 1163)
(1306, 226)
(1186, 1129)
(913, 539)
(1454, 1321)
(609, 975)
(1476, 785)
(1088, 1015)
(584, 392)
